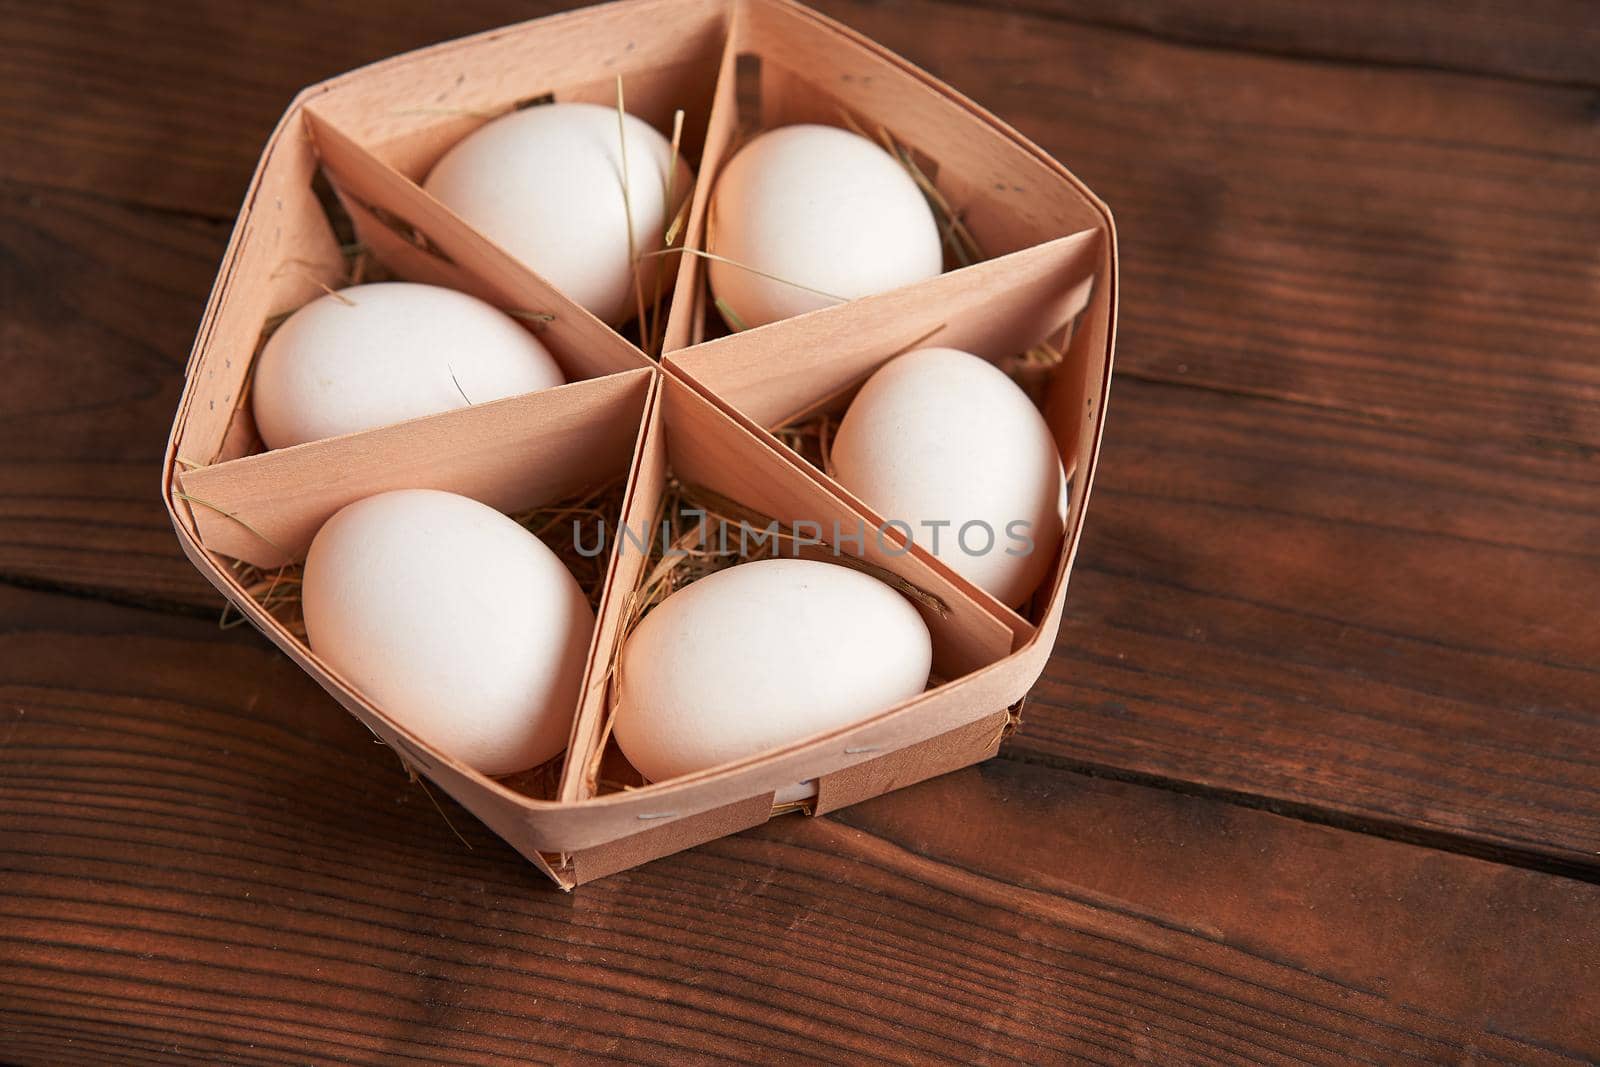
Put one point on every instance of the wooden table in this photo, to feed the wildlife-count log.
(1313, 775)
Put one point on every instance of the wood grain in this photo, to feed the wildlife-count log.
(1339, 564)
(1345, 907)
(168, 105)
(88, 112)
(1541, 41)
(99, 303)
(207, 859)
(1304, 605)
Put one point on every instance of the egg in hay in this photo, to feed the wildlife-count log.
(377, 354)
(945, 445)
(804, 217)
(763, 654)
(546, 184)
(455, 621)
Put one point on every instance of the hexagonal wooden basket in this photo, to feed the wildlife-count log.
(706, 413)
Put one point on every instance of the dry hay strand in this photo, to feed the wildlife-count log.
(687, 515)
(812, 439)
(542, 782)
(651, 314)
(627, 208)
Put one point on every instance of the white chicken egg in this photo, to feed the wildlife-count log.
(818, 215)
(454, 620)
(945, 443)
(545, 184)
(761, 655)
(377, 354)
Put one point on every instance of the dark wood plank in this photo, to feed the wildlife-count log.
(1542, 41)
(1351, 569)
(1348, 908)
(168, 105)
(1301, 605)
(204, 858)
(99, 304)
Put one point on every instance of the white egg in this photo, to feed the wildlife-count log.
(373, 355)
(452, 619)
(760, 655)
(945, 443)
(821, 215)
(545, 184)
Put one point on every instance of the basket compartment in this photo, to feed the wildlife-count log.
(786, 65)
(284, 253)
(516, 454)
(380, 130)
(692, 440)
(422, 240)
(996, 309)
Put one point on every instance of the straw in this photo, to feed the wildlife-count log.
(627, 207)
(306, 269)
(187, 498)
(729, 315)
(411, 772)
(656, 335)
(745, 266)
(541, 782)
(539, 318)
(688, 512)
(406, 231)
(812, 439)
(457, 382)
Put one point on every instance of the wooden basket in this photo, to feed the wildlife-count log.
(704, 414)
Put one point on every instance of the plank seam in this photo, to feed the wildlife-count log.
(1371, 826)
(1048, 14)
